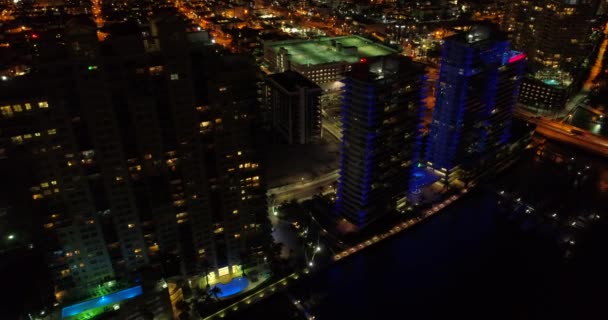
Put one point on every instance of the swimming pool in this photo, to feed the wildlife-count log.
(101, 301)
(551, 82)
(233, 287)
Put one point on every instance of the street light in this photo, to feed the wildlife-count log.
(11, 237)
(318, 249)
(310, 264)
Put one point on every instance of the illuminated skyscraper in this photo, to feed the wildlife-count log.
(381, 104)
(476, 92)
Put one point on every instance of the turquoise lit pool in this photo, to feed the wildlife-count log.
(101, 301)
(233, 287)
(551, 82)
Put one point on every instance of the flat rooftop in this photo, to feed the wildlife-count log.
(321, 50)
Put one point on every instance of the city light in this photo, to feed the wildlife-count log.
(403, 105)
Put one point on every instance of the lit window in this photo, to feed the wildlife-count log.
(28, 106)
(237, 235)
(235, 211)
(37, 196)
(37, 134)
(44, 184)
(174, 76)
(17, 108)
(6, 111)
(27, 136)
(156, 70)
(48, 225)
(218, 120)
(52, 131)
(43, 104)
(137, 250)
(205, 124)
(222, 89)
(131, 225)
(201, 251)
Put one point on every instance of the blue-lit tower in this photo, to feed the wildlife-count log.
(476, 93)
(381, 102)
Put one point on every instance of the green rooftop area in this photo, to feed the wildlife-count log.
(322, 50)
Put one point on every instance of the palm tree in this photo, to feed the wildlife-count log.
(215, 292)
(243, 259)
(205, 265)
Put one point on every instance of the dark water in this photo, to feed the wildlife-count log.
(470, 262)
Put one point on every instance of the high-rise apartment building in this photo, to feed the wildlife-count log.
(123, 150)
(240, 228)
(554, 33)
(381, 105)
(293, 102)
(478, 84)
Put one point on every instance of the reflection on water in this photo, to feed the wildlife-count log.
(471, 261)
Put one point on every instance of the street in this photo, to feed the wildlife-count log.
(303, 189)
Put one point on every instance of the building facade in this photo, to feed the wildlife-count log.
(381, 102)
(476, 93)
(323, 60)
(544, 95)
(111, 145)
(554, 33)
(294, 105)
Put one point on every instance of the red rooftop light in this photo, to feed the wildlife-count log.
(363, 60)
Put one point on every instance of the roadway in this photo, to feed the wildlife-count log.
(303, 189)
(598, 66)
(566, 133)
(333, 128)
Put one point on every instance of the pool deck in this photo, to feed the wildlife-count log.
(263, 275)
